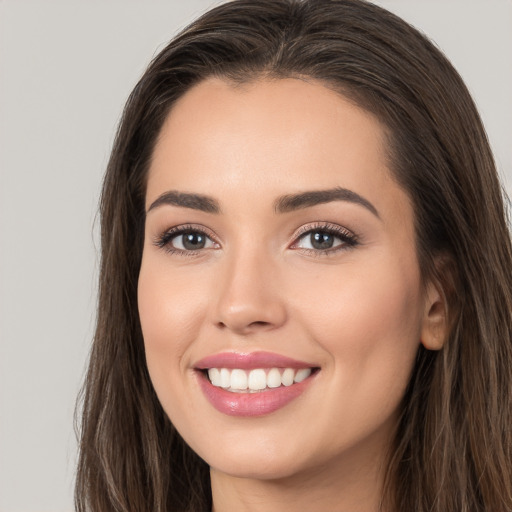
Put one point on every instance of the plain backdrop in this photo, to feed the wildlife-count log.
(66, 68)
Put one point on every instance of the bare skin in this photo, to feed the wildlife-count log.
(353, 307)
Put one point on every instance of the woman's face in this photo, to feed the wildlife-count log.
(278, 248)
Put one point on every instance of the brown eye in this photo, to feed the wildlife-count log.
(320, 240)
(190, 241)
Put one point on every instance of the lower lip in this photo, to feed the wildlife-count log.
(251, 404)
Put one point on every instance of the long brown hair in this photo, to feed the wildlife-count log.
(453, 445)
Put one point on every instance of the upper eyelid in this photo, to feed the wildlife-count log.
(325, 226)
(183, 228)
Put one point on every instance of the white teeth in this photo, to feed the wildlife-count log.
(287, 377)
(214, 375)
(302, 374)
(257, 380)
(239, 380)
(225, 378)
(273, 378)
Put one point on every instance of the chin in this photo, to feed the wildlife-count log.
(257, 468)
(253, 458)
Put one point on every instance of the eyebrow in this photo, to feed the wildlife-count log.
(307, 199)
(284, 204)
(186, 200)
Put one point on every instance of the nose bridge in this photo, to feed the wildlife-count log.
(248, 292)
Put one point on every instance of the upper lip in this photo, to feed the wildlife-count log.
(249, 361)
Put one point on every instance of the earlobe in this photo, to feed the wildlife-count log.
(434, 327)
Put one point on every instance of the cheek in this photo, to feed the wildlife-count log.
(368, 318)
(368, 322)
(169, 308)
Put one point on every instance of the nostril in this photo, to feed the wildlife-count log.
(253, 325)
(259, 324)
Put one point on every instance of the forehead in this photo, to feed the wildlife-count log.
(270, 137)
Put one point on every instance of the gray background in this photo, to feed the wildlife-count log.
(66, 69)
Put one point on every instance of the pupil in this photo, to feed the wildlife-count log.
(193, 241)
(322, 240)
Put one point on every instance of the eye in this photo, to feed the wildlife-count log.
(185, 240)
(191, 241)
(324, 239)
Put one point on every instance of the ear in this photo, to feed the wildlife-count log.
(434, 326)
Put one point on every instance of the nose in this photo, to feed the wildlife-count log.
(249, 297)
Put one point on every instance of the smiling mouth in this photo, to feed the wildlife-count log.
(250, 384)
(253, 384)
(257, 380)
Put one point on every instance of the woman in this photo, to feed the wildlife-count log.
(305, 296)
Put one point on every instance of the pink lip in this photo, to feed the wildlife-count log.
(250, 404)
(250, 361)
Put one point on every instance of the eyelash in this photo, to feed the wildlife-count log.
(347, 238)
